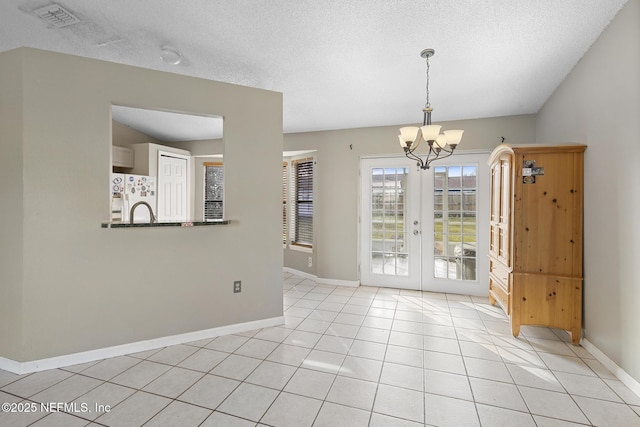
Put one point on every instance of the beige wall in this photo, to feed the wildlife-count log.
(338, 156)
(83, 287)
(205, 147)
(599, 104)
(11, 206)
(124, 136)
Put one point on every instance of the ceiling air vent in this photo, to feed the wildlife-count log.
(56, 15)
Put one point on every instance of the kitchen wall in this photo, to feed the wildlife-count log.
(335, 252)
(296, 259)
(68, 285)
(598, 104)
(201, 151)
(124, 136)
(204, 147)
(145, 158)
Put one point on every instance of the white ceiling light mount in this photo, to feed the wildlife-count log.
(441, 145)
(170, 55)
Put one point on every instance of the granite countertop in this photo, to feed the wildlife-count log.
(121, 224)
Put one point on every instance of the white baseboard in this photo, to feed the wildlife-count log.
(334, 282)
(300, 273)
(121, 350)
(620, 373)
(347, 283)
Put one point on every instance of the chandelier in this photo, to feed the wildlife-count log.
(441, 145)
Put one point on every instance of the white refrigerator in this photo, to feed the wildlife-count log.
(126, 191)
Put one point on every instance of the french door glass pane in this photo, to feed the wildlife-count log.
(455, 231)
(388, 237)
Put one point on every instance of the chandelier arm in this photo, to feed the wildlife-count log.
(424, 164)
(435, 151)
(410, 155)
(447, 150)
(440, 157)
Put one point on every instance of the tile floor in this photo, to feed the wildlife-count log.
(345, 357)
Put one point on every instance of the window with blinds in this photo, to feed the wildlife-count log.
(213, 190)
(302, 202)
(284, 203)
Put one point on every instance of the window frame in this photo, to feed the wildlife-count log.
(204, 190)
(285, 201)
(294, 201)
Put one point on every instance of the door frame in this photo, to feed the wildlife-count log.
(188, 179)
(478, 287)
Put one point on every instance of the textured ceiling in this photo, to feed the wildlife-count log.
(169, 126)
(340, 63)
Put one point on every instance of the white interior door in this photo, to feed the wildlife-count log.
(419, 228)
(172, 187)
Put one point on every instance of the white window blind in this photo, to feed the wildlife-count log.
(213, 190)
(284, 203)
(302, 202)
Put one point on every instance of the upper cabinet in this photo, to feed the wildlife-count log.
(535, 257)
(122, 157)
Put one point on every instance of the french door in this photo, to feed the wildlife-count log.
(425, 229)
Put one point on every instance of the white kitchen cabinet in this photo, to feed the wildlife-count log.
(121, 156)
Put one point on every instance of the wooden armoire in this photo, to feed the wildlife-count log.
(535, 256)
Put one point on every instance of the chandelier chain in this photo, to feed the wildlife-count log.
(428, 104)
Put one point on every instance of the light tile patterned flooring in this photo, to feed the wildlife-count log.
(345, 357)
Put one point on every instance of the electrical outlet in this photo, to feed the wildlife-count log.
(237, 286)
(310, 262)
